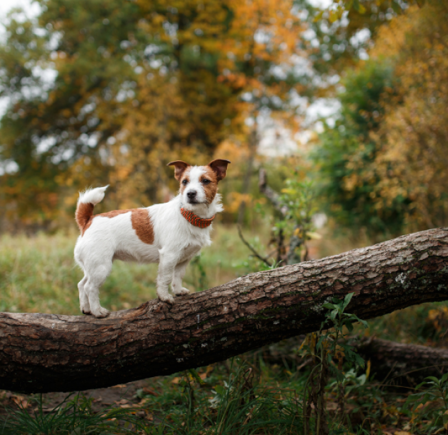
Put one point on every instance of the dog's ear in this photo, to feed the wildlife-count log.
(219, 167)
(179, 168)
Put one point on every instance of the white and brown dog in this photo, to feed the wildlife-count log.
(170, 234)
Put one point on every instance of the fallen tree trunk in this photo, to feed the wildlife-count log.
(47, 352)
(399, 363)
(391, 363)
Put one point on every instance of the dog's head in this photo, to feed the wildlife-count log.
(199, 184)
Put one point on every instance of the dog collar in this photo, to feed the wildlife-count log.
(196, 220)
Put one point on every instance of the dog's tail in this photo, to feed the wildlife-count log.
(86, 202)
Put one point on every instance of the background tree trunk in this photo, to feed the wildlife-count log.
(399, 363)
(47, 352)
(252, 149)
(392, 363)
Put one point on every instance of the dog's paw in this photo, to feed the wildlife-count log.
(85, 308)
(101, 312)
(182, 291)
(167, 298)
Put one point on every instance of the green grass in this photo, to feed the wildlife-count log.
(227, 399)
(238, 397)
(39, 274)
(74, 415)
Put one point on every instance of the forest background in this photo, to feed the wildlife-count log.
(343, 103)
(98, 94)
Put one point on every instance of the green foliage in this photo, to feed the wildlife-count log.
(70, 417)
(360, 395)
(298, 201)
(430, 405)
(209, 401)
(346, 155)
(338, 7)
(199, 273)
(292, 225)
(328, 354)
(253, 263)
(342, 31)
(240, 407)
(382, 164)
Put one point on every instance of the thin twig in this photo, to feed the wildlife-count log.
(263, 259)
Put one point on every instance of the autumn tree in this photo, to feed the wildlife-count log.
(132, 87)
(339, 34)
(414, 133)
(383, 163)
(63, 74)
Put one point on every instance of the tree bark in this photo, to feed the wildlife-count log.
(48, 352)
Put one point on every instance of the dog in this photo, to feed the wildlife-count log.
(170, 234)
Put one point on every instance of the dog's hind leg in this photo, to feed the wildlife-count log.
(95, 279)
(176, 283)
(83, 298)
(167, 264)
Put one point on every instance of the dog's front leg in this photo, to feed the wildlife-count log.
(167, 264)
(176, 283)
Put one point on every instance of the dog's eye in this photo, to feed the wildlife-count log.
(205, 181)
(185, 182)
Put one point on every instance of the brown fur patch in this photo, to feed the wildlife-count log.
(83, 216)
(219, 166)
(211, 188)
(179, 168)
(186, 176)
(141, 222)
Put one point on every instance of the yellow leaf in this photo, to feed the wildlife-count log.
(314, 236)
(289, 191)
(318, 17)
(368, 369)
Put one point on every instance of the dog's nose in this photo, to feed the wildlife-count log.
(191, 194)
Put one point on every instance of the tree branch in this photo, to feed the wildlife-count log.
(252, 249)
(48, 352)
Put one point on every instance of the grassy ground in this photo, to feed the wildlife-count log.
(232, 398)
(246, 395)
(39, 274)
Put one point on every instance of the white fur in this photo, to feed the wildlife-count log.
(176, 242)
(92, 196)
